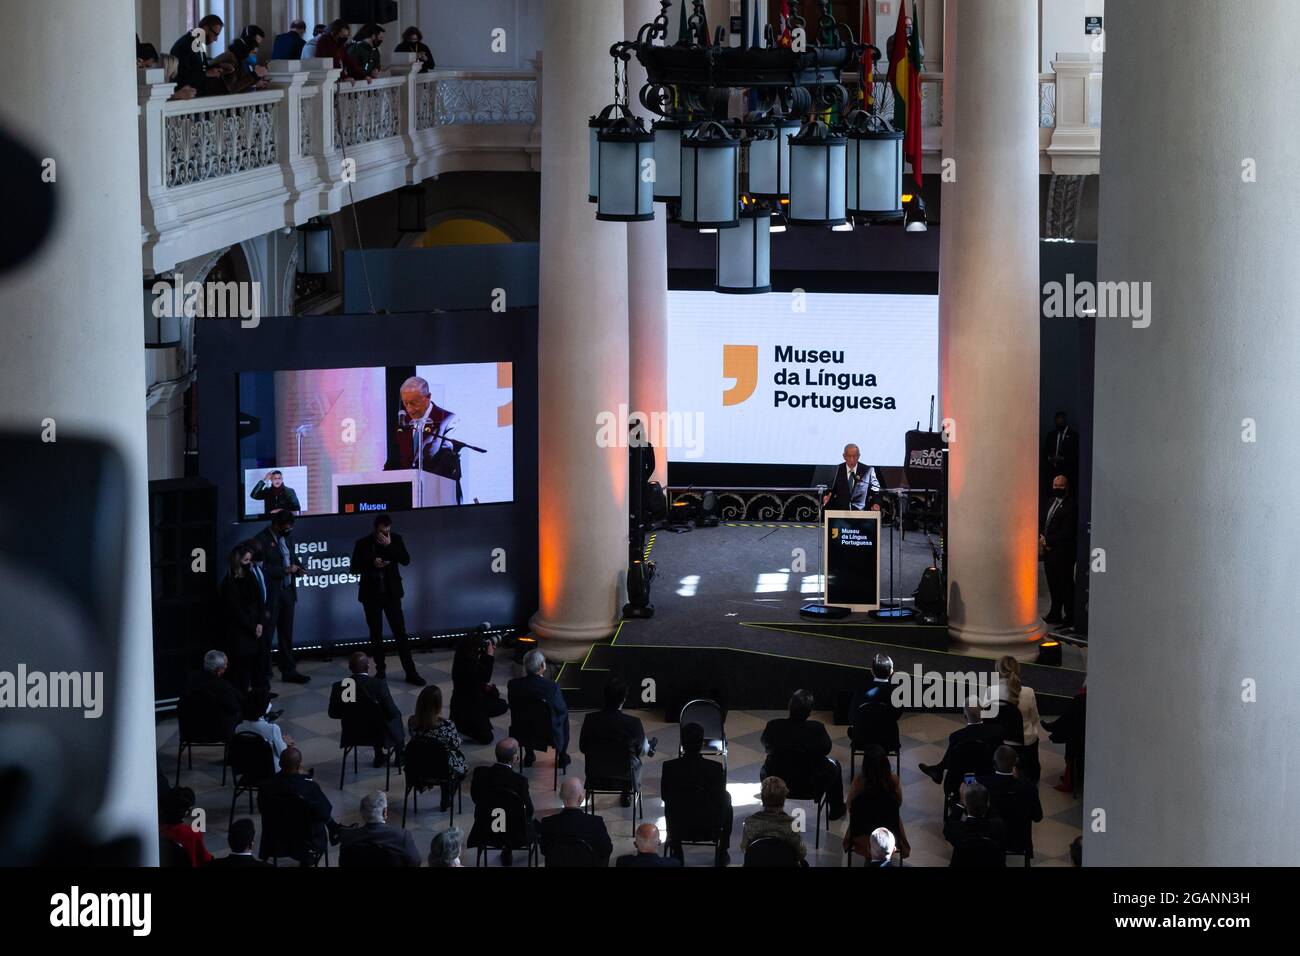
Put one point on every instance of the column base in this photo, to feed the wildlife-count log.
(1020, 643)
(567, 642)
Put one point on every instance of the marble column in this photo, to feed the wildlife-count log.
(1193, 660)
(582, 347)
(988, 318)
(647, 277)
(74, 335)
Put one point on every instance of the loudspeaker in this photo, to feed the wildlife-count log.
(185, 569)
(368, 11)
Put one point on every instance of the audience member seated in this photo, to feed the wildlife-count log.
(444, 848)
(1068, 729)
(535, 684)
(219, 701)
(256, 721)
(973, 744)
(365, 687)
(613, 743)
(875, 801)
(800, 733)
(288, 46)
(177, 806)
(375, 839)
(240, 71)
(195, 68)
(879, 692)
(647, 849)
(309, 48)
(978, 836)
(1013, 798)
(242, 834)
(292, 779)
(1009, 690)
(881, 848)
(772, 820)
(365, 49)
(413, 42)
(333, 45)
(683, 776)
(475, 700)
(488, 780)
(574, 823)
(427, 721)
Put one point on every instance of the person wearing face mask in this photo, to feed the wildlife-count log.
(282, 572)
(1057, 545)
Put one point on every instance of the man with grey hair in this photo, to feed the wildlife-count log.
(431, 424)
(523, 692)
(882, 847)
(375, 838)
(970, 750)
(218, 701)
(573, 823)
(444, 848)
(855, 488)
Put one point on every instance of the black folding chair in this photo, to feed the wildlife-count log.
(288, 829)
(252, 763)
(1020, 827)
(427, 765)
(571, 851)
(710, 716)
(695, 818)
(530, 724)
(769, 851)
(978, 853)
(800, 769)
(364, 725)
(609, 770)
(875, 723)
(519, 832)
(201, 725)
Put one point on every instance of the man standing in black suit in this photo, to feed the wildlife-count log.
(292, 780)
(1057, 544)
(535, 684)
(376, 832)
(647, 849)
(693, 770)
(574, 823)
(242, 833)
(360, 685)
(977, 730)
(375, 560)
(1061, 450)
(609, 737)
(486, 781)
(800, 733)
(855, 487)
(281, 571)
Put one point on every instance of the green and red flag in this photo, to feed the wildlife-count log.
(868, 69)
(786, 40)
(905, 61)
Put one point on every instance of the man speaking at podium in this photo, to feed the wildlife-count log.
(855, 488)
(421, 416)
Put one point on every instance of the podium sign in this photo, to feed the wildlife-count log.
(390, 491)
(851, 559)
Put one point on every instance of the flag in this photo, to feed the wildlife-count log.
(905, 78)
(786, 40)
(868, 69)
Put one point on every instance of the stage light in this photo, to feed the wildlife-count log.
(710, 178)
(315, 248)
(668, 159)
(161, 331)
(874, 169)
(1049, 653)
(914, 215)
(817, 176)
(769, 156)
(410, 209)
(744, 255)
(624, 150)
(843, 227)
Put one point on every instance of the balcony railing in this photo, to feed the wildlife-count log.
(221, 169)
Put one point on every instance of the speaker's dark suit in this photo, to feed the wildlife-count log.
(575, 823)
(842, 495)
(1060, 529)
(281, 599)
(380, 592)
(243, 610)
(549, 692)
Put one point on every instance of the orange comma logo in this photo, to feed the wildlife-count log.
(739, 362)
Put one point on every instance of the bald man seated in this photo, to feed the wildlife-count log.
(572, 823)
(647, 849)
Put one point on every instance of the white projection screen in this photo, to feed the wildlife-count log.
(790, 379)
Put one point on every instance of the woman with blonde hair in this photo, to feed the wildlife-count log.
(1010, 690)
(171, 67)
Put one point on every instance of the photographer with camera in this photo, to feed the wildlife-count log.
(475, 700)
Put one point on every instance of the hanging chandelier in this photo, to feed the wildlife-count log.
(804, 151)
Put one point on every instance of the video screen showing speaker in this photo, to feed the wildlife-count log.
(352, 440)
(791, 378)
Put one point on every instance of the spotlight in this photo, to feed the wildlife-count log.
(914, 215)
(1049, 653)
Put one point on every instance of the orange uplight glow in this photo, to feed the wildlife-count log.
(906, 197)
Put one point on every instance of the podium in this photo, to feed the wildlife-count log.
(354, 492)
(851, 559)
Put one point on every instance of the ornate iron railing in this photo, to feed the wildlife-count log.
(208, 144)
(460, 101)
(367, 115)
(799, 505)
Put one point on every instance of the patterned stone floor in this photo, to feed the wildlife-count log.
(316, 734)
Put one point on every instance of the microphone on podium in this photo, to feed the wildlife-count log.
(403, 420)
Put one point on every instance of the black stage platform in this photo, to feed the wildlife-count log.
(727, 626)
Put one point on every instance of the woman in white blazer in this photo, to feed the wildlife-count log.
(1010, 690)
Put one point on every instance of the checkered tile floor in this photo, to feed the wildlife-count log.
(305, 719)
